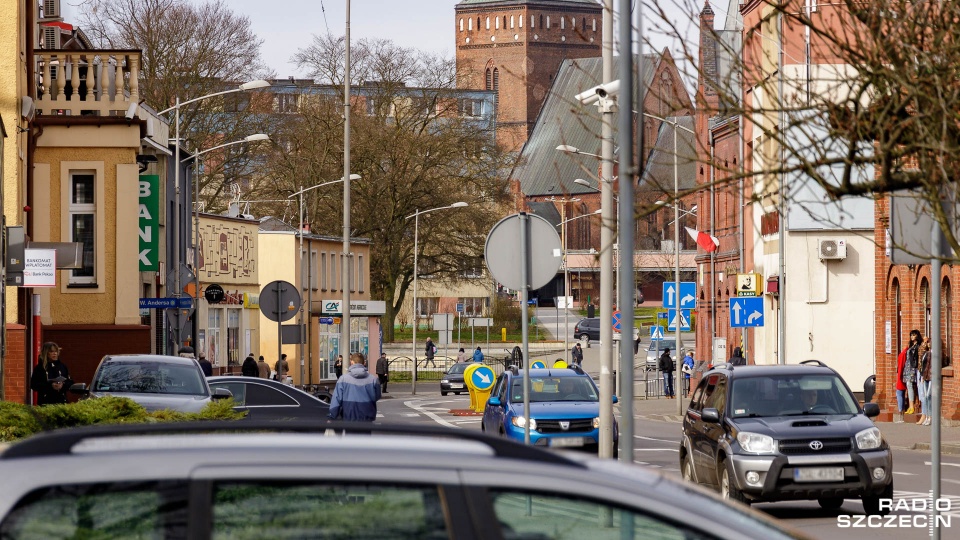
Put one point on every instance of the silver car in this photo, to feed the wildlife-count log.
(201, 480)
(154, 381)
(656, 349)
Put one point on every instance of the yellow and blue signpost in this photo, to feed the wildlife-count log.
(480, 379)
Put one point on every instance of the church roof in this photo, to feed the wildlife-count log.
(479, 2)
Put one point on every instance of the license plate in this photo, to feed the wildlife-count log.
(456, 385)
(567, 441)
(818, 474)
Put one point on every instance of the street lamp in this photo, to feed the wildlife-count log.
(310, 289)
(566, 271)
(566, 148)
(416, 234)
(616, 199)
(678, 374)
(252, 85)
(196, 227)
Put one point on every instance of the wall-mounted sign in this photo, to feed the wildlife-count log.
(251, 301)
(40, 268)
(148, 221)
(748, 284)
(357, 307)
(213, 293)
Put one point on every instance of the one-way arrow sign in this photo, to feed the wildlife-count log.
(746, 312)
(687, 294)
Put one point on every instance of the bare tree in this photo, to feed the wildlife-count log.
(414, 150)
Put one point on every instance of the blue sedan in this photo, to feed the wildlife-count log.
(565, 407)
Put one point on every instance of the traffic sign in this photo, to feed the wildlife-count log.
(326, 320)
(684, 319)
(616, 321)
(746, 312)
(687, 296)
(656, 333)
(538, 364)
(459, 307)
(482, 378)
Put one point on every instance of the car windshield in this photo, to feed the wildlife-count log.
(555, 389)
(659, 345)
(457, 368)
(149, 377)
(790, 395)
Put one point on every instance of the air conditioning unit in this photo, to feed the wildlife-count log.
(832, 249)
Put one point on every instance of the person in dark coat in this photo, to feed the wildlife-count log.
(356, 394)
(249, 368)
(50, 378)
(383, 372)
(430, 350)
(338, 366)
(205, 365)
(666, 367)
(576, 354)
(737, 359)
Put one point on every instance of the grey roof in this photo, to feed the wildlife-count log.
(658, 174)
(478, 2)
(545, 209)
(544, 170)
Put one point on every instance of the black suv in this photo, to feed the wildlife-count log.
(774, 433)
(587, 329)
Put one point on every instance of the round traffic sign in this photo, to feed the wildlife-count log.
(503, 248)
(560, 364)
(482, 378)
(538, 364)
(279, 301)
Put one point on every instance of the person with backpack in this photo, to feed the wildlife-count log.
(666, 367)
(478, 355)
(430, 351)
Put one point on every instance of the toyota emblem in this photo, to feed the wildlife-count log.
(564, 425)
(816, 445)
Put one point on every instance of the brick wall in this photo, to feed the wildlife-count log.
(85, 345)
(14, 366)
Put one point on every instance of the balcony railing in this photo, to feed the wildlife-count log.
(91, 82)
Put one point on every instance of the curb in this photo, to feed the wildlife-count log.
(950, 448)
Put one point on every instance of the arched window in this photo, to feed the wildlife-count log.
(573, 23)
(488, 23)
(947, 317)
(563, 23)
(548, 22)
(925, 299)
(496, 23)
(489, 85)
(594, 25)
(898, 315)
(470, 23)
(513, 21)
(533, 21)
(461, 25)
(520, 21)
(496, 80)
(478, 22)
(504, 22)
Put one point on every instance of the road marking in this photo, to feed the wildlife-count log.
(652, 439)
(905, 473)
(412, 414)
(656, 449)
(944, 464)
(951, 481)
(416, 406)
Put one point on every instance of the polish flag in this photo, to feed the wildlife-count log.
(704, 240)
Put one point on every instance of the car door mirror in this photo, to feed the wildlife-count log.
(494, 401)
(871, 410)
(79, 388)
(221, 393)
(615, 399)
(710, 415)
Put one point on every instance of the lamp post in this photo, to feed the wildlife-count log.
(416, 238)
(300, 234)
(196, 227)
(616, 199)
(566, 284)
(252, 85)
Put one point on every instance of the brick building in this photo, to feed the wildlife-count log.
(515, 47)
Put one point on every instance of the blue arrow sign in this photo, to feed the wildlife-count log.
(483, 378)
(746, 312)
(538, 365)
(656, 333)
(684, 319)
(687, 296)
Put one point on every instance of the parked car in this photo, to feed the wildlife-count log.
(586, 329)
(774, 433)
(154, 381)
(564, 408)
(452, 380)
(263, 479)
(266, 399)
(656, 349)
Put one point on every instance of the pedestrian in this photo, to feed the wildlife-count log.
(687, 370)
(666, 367)
(205, 366)
(576, 355)
(338, 366)
(282, 368)
(249, 367)
(900, 386)
(356, 394)
(461, 356)
(50, 378)
(383, 372)
(909, 375)
(478, 355)
(737, 359)
(924, 383)
(430, 351)
(263, 368)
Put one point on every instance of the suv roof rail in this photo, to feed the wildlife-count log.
(62, 441)
(723, 365)
(813, 363)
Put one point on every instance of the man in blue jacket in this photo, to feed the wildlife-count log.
(356, 394)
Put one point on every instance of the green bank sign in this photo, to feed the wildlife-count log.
(149, 222)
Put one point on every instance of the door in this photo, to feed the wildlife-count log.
(713, 433)
(493, 415)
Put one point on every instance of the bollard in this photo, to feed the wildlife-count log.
(503, 334)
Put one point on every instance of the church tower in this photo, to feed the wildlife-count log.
(515, 47)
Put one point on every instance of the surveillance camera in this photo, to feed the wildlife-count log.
(601, 91)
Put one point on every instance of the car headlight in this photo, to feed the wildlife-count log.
(756, 443)
(445, 381)
(869, 439)
(596, 423)
(521, 421)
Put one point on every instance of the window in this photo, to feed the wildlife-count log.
(323, 271)
(259, 395)
(717, 398)
(489, 80)
(351, 273)
(214, 322)
(239, 391)
(461, 25)
(333, 271)
(285, 509)
(313, 270)
(118, 510)
(947, 311)
(286, 103)
(594, 25)
(898, 313)
(925, 299)
(563, 23)
(513, 21)
(535, 515)
(233, 337)
(496, 23)
(533, 21)
(548, 22)
(82, 220)
(473, 306)
(520, 21)
(470, 24)
(427, 307)
(472, 107)
(496, 80)
(473, 267)
(360, 273)
(488, 23)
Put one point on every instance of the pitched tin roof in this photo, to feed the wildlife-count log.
(658, 173)
(478, 2)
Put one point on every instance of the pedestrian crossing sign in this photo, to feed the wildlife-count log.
(656, 332)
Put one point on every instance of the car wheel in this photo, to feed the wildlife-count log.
(686, 468)
(871, 503)
(443, 393)
(585, 338)
(727, 490)
(830, 503)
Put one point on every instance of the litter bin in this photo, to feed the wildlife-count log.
(591, 311)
